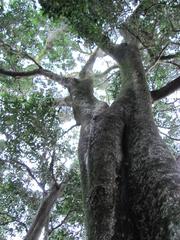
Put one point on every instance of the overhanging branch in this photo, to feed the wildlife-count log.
(20, 74)
(166, 90)
(39, 71)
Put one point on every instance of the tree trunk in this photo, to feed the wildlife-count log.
(43, 212)
(130, 179)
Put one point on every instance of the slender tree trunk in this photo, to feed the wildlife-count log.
(43, 213)
(130, 179)
(46, 229)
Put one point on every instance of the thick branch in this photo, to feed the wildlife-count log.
(166, 90)
(39, 71)
(127, 29)
(20, 74)
(88, 67)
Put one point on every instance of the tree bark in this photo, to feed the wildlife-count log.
(130, 179)
(43, 213)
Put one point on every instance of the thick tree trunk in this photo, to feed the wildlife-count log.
(130, 180)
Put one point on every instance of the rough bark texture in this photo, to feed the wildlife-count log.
(130, 179)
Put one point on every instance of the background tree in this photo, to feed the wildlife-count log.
(129, 178)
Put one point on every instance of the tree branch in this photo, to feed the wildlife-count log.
(166, 90)
(157, 58)
(20, 74)
(172, 138)
(64, 81)
(170, 56)
(62, 102)
(108, 70)
(29, 171)
(173, 63)
(61, 223)
(19, 52)
(68, 130)
(51, 167)
(12, 219)
(44, 210)
(88, 67)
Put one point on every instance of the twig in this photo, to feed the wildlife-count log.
(172, 138)
(32, 59)
(157, 59)
(65, 132)
(61, 223)
(27, 168)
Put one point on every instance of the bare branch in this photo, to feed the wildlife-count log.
(32, 59)
(61, 223)
(166, 90)
(157, 59)
(172, 138)
(43, 212)
(69, 129)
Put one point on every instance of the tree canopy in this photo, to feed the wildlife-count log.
(42, 47)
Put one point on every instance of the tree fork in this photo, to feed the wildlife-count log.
(118, 176)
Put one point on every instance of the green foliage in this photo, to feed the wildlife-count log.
(26, 119)
(115, 86)
(87, 18)
(166, 113)
(34, 138)
(69, 207)
(29, 40)
(33, 135)
(157, 23)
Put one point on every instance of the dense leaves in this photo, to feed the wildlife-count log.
(37, 144)
(33, 150)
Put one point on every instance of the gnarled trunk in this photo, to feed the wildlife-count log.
(130, 180)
